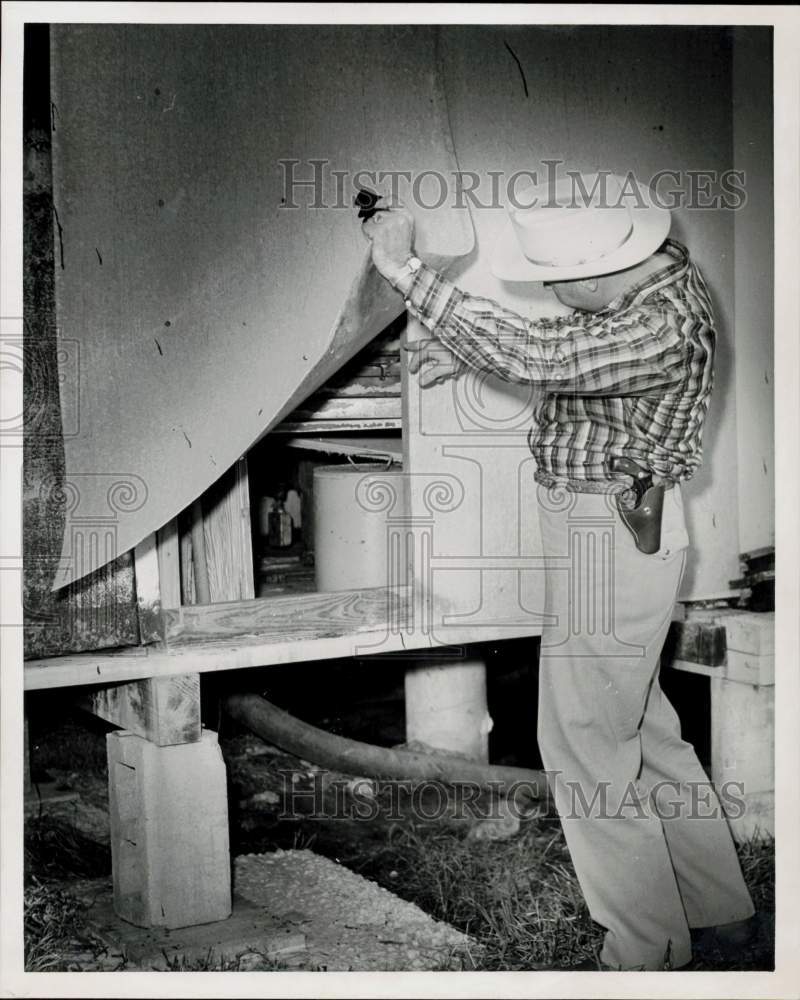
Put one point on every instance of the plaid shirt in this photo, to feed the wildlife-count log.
(632, 380)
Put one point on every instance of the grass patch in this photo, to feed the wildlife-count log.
(757, 858)
(519, 899)
(248, 962)
(54, 851)
(55, 929)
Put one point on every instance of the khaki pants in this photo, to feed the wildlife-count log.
(651, 848)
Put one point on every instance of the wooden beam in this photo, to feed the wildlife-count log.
(696, 642)
(355, 632)
(298, 617)
(163, 710)
(375, 447)
(687, 667)
(352, 408)
(352, 426)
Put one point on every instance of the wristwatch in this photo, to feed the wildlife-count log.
(408, 270)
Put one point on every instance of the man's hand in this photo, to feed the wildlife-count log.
(391, 232)
(434, 362)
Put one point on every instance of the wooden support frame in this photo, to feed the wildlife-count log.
(163, 710)
(726, 643)
(742, 719)
(353, 630)
(170, 846)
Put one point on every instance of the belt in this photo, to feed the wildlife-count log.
(598, 485)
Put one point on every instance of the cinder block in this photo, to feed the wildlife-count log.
(169, 831)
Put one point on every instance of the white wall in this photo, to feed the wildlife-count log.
(641, 99)
(753, 232)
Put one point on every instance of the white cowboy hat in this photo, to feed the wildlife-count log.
(580, 227)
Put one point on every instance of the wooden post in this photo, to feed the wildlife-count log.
(166, 777)
(743, 724)
(740, 665)
(167, 783)
(742, 755)
(165, 710)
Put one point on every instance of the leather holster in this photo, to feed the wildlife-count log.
(643, 520)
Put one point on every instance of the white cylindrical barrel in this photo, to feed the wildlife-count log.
(446, 706)
(445, 699)
(350, 532)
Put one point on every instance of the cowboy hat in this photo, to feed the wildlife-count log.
(581, 226)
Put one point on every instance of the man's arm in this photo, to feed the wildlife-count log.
(641, 351)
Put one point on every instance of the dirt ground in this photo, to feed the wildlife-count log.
(505, 882)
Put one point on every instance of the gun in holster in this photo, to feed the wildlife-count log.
(643, 519)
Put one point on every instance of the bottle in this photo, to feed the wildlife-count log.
(280, 526)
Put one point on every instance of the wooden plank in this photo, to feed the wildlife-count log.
(335, 426)
(750, 669)
(169, 569)
(687, 667)
(298, 617)
(352, 408)
(697, 642)
(349, 639)
(148, 590)
(370, 386)
(228, 542)
(187, 568)
(164, 710)
(377, 447)
(750, 632)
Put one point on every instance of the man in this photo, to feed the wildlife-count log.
(626, 376)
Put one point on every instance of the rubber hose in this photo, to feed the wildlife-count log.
(277, 726)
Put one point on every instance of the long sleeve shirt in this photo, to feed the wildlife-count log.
(631, 380)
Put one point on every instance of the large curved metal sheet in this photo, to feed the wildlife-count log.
(196, 306)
